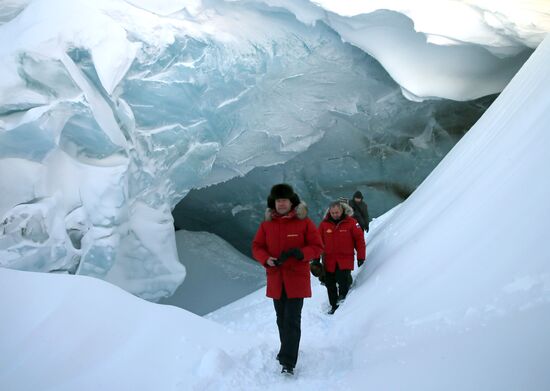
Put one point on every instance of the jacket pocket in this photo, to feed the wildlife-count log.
(294, 240)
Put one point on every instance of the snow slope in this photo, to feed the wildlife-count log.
(459, 281)
(67, 333)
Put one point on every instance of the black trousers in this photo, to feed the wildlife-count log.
(289, 319)
(340, 277)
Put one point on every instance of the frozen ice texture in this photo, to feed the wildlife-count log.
(112, 111)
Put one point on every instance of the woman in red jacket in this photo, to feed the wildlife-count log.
(341, 235)
(284, 244)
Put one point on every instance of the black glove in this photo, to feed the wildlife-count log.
(291, 253)
(282, 258)
(360, 262)
(296, 253)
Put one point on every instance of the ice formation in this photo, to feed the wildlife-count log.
(112, 111)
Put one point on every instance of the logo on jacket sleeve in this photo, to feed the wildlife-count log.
(329, 231)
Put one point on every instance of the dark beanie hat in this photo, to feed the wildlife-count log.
(358, 194)
(282, 190)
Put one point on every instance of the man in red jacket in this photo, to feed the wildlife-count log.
(341, 235)
(284, 244)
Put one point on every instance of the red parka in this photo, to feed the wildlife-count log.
(280, 233)
(340, 240)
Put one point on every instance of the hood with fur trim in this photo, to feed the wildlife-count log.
(300, 210)
(348, 210)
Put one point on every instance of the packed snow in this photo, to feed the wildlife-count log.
(455, 293)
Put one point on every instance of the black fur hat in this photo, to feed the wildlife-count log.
(358, 194)
(282, 190)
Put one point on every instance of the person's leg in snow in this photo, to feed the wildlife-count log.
(332, 290)
(343, 279)
(289, 318)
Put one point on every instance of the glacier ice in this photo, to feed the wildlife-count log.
(112, 111)
(453, 49)
(384, 146)
(495, 25)
(216, 272)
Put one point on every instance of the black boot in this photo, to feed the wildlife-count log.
(333, 309)
(287, 370)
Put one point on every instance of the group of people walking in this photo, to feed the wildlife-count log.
(285, 244)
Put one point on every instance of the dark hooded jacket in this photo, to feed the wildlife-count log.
(360, 211)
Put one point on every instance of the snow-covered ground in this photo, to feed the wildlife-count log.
(455, 294)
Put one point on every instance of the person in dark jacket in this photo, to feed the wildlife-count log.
(342, 236)
(360, 210)
(284, 244)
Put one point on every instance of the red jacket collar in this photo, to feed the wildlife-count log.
(289, 215)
